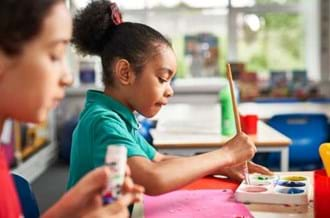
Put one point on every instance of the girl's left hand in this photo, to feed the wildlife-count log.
(85, 198)
(237, 173)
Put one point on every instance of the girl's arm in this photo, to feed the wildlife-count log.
(161, 157)
(234, 173)
(172, 173)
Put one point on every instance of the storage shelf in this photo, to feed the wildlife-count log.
(34, 166)
(33, 160)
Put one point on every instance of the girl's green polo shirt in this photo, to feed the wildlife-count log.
(104, 121)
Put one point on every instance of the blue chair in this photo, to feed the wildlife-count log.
(321, 100)
(145, 127)
(26, 197)
(307, 132)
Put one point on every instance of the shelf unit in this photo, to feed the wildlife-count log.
(36, 159)
(33, 167)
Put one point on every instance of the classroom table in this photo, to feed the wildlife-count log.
(266, 110)
(187, 129)
(257, 210)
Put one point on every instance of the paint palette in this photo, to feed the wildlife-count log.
(290, 189)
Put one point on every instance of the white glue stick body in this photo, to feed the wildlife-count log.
(115, 158)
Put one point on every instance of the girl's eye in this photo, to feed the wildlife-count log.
(161, 80)
(54, 58)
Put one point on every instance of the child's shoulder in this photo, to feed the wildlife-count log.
(98, 113)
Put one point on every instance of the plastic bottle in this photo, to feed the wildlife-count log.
(227, 113)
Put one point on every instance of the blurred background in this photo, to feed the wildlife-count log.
(279, 51)
(278, 45)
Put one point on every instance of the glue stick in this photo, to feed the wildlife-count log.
(115, 159)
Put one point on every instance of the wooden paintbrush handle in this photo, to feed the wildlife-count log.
(233, 99)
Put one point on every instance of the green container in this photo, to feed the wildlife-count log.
(227, 114)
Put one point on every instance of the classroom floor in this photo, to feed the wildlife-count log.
(50, 186)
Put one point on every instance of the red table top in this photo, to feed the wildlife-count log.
(212, 183)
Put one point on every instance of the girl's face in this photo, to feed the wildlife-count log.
(33, 82)
(152, 87)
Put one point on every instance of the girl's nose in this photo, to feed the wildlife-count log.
(67, 78)
(169, 91)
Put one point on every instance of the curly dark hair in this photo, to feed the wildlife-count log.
(95, 33)
(20, 21)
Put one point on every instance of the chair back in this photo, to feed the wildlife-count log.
(307, 132)
(26, 197)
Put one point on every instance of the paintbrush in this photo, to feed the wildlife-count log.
(236, 115)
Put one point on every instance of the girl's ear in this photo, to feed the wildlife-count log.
(123, 72)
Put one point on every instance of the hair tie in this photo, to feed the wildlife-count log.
(115, 14)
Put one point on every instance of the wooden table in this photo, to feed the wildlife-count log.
(257, 210)
(184, 129)
(266, 110)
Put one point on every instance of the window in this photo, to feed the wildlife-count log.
(275, 35)
(267, 35)
(271, 41)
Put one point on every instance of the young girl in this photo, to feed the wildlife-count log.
(138, 65)
(33, 39)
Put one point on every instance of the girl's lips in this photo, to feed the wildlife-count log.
(56, 102)
(160, 104)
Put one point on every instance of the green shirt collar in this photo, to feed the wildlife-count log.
(110, 103)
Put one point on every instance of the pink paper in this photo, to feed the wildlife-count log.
(195, 204)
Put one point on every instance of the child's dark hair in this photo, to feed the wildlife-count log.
(95, 33)
(20, 21)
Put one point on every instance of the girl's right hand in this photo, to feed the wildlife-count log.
(239, 149)
(236, 173)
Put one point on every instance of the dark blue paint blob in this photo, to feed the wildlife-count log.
(291, 191)
(295, 191)
(291, 184)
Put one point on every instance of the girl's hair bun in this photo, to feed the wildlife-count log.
(91, 27)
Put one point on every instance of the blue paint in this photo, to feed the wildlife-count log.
(107, 200)
(295, 191)
(291, 191)
(291, 184)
